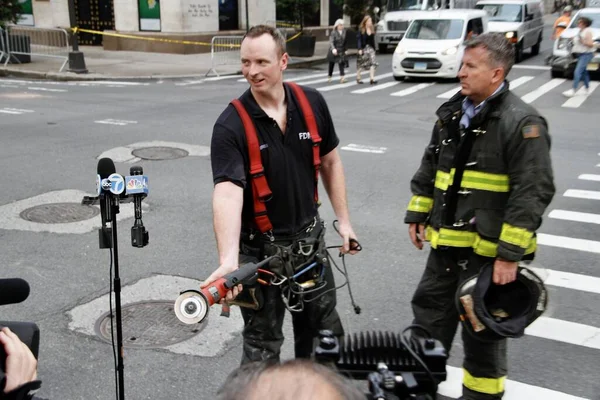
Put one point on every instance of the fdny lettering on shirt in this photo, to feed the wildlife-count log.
(304, 135)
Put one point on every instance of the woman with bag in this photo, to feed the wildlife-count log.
(337, 49)
(583, 49)
(366, 49)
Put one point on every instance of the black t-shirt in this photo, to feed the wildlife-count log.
(287, 159)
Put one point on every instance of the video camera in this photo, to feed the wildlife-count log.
(395, 367)
(15, 291)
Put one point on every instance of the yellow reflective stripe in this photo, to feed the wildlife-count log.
(485, 181)
(455, 238)
(474, 180)
(420, 204)
(444, 179)
(483, 385)
(517, 236)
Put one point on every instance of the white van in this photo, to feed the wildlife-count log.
(521, 21)
(434, 43)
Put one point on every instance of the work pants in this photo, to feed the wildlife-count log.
(262, 333)
(434, 307)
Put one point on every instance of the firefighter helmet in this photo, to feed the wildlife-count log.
(492, 312)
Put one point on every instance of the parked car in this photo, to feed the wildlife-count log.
(434, 43)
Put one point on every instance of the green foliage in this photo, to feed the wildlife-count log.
(9, 12)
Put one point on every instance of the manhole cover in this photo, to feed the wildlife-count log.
(148, 324)
(59, 213)
(159, 153)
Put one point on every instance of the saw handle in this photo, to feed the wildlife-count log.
(218, 289)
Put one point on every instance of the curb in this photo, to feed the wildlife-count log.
(69, 76)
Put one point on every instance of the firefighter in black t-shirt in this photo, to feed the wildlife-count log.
(287, 153)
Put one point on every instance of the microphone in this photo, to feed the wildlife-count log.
(13, 291)
(137, 187)
(106, 168)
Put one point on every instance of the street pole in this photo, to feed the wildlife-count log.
(76, 58)
(247, 18)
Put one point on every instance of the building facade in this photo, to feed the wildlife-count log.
(165, 16)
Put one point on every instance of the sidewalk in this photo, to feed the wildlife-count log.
(132, 65)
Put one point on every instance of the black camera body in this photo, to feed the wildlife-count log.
(394, 366)
(28, 333)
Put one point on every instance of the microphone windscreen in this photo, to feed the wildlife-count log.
(136, 170)
(13, 291)
(106, 166)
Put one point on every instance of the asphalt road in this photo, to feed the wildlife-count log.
(52, 134)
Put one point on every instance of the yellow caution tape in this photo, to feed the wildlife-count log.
(154, 39)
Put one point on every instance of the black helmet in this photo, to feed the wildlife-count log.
(492, 312)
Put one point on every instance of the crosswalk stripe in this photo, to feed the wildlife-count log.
(373, 88)
(538, 67)
(18, 110)
(590, 177)
(306, 77)
(9, 112)
(449, 93)
(326, 79)
(575, 216)
(452, 387)
(582, 194)
(579, 98)
(348, 84)
(412, 89)
(565, 242)
(565, 331)
(546, 87)
(41, 89)
(568, 280)
(513, 85)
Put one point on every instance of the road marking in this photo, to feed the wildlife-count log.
(9, 86)
(348, 84)
(119, 83)
(364, 149)
(41, 89)
(568, 280)
(565, 331)
(412, 89)
(115, 122)
(15, 81)
(579, 98)
(326, 79)
(305, 77)
(582, 194)
(538, 67)
(452, 387)
(590, 177)
(7, 110)
(546, 87)
(376, 87)
(575, 216)
(565, 242)
(513, 85)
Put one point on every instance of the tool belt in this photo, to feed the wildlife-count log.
(301, 262)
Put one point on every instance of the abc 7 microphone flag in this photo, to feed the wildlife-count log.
(116, 184)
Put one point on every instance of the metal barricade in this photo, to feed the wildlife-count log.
(3, 48)
(42, 42)
(224, 50)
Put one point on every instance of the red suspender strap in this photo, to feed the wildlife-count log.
(311, 123)
(260, 188)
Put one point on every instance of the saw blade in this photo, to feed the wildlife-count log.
(191, 307)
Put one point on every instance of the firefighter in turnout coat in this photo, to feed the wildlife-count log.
(484, 183)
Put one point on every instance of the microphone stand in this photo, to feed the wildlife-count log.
(114, 210)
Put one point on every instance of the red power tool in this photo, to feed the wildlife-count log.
(191, 307)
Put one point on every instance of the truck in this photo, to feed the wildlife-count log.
(396, 16)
